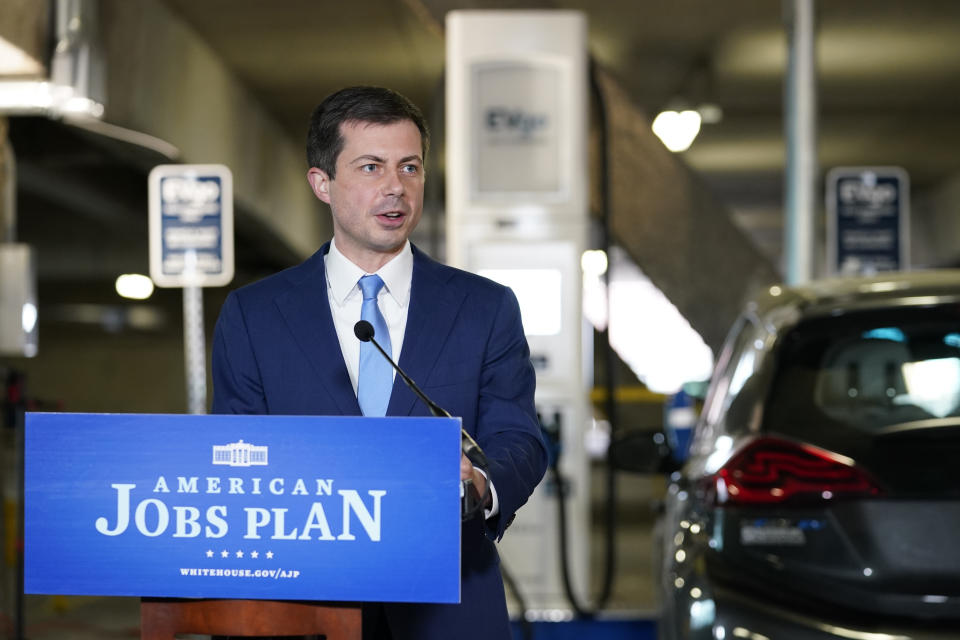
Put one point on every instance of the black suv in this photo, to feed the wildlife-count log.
(821, 494)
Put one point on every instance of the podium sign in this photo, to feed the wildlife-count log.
(262, 507)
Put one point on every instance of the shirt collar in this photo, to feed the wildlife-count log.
(397, 275)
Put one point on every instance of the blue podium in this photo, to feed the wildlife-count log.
(277, 508)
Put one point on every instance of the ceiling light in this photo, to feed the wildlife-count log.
(677, 129)
(29, 317)
(594, 262)
(134, 286)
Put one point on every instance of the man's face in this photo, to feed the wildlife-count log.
(377, 195)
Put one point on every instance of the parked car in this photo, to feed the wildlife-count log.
(821, 494)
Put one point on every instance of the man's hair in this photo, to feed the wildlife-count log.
(372, 105)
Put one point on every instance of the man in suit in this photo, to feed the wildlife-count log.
(285, 344)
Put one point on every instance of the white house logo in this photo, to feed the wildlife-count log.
(240, 454)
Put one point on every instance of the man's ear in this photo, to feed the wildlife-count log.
(320, 183)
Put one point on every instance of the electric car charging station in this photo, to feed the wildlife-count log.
(517, 212)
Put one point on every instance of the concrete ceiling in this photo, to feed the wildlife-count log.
(887, 74)
(888, 88)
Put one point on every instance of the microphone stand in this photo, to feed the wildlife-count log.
(470, 499)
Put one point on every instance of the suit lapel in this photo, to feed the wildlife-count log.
(434, 306)
(306, 310)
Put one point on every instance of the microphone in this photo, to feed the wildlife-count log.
(364, 332)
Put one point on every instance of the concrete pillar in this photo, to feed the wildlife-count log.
(801, 133)
(8, 186)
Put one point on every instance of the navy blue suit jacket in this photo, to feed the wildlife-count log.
(276, 351)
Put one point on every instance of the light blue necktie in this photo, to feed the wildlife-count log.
(375, 379)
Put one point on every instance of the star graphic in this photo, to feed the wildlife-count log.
(254, 554)
(209, 553)
(224, 554)
(239, 554)
(269, 555)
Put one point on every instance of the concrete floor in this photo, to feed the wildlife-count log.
(81, 618)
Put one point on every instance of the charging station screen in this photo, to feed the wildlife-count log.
(539, 294)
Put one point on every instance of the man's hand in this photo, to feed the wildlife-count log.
(469, 472)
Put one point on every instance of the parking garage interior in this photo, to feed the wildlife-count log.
(234, 83)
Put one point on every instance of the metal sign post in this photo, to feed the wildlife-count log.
(191, 246)
(194, 350)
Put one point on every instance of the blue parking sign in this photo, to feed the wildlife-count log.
(191, 225)
(868, 220)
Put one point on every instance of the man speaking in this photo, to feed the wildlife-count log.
(286, 344)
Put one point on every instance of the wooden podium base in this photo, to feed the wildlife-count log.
(161, 618)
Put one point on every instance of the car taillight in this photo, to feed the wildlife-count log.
(770, 470)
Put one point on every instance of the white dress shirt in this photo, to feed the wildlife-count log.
(345, 301)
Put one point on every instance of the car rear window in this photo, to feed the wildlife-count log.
(882, 387)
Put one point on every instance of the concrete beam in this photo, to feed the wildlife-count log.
(661, 213)
(163, 80)
(673, 227)
(23, 24)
